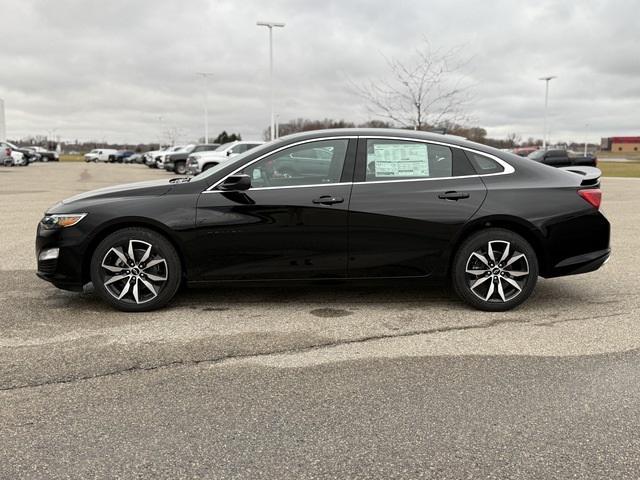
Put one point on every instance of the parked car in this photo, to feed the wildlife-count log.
(101, 155)
(121, 155)
(160, 157)
(11, 158)
(135, 158)
(26, 155)
(562, 158)
(46, 155)
(34, 156)
(388, 204)
(150, 157)
(177, 162)
(199, 162)
(524, 151)
(14, 156)
(5, 155)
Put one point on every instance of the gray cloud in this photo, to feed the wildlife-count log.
(97, 69)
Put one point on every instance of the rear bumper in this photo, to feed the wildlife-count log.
(584, 263)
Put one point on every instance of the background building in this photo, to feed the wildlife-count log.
(620, 144)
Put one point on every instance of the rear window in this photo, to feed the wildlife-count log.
(484, 165)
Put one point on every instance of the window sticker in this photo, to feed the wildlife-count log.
(400, 160)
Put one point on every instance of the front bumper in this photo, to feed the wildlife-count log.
(64, 271)
(193, 169)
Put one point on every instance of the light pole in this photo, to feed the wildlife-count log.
(205, 76)
(161, 120)
(586, 138)
(270, 26)
(546, 104)
(3, 128)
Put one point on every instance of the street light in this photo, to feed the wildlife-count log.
(205, 76)
(546, 103)
(586, 138)
(270, 26)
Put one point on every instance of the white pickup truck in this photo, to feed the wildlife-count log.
(100, 155)
(199, 162)
(10, 156)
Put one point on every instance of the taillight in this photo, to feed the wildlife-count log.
(7, 152)
(592, 195)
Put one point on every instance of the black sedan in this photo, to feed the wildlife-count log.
(387, 204)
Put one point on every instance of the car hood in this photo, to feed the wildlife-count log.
(207, 155)
(153, 187)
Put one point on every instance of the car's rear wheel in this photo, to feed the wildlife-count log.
(136, 270)
(495, 270)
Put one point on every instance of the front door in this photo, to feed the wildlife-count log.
(291, 223)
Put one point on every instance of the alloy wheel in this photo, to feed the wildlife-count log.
(134, 272)
(497, 273)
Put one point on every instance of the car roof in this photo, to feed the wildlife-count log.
(392, 132)
(453, 140)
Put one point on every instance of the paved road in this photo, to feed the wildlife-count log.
(338, 381)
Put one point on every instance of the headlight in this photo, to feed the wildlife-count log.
(61, 221)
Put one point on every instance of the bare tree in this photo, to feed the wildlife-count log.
(172, 134)
(513, 140)
(425, 91)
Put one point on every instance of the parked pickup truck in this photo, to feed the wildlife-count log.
(199, 162)
(563, 158)
(177, 162)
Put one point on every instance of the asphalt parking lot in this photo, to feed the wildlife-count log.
(328, 382)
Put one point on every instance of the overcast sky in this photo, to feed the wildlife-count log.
(124, 70)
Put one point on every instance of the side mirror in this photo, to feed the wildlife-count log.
(236, 182)
(229, 153)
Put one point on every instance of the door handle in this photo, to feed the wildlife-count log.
(453, 195)
(327, 200)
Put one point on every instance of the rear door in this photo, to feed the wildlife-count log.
(409, 200)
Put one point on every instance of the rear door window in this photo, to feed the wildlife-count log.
(388, 159)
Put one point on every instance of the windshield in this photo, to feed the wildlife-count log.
(537, 155)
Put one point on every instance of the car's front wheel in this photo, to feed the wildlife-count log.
(180, 168)
(136, 270)
(495, 270)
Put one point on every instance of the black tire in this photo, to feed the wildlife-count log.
(497, 290)
(160, 268)
(180, 168)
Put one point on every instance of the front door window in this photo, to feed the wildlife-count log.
(311, 163)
